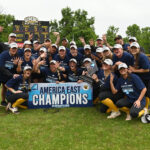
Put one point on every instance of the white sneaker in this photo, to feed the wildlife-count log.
(145, 111)
(14, 110)
(128, 117)
(114, 114)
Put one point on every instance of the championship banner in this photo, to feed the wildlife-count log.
(52, 95)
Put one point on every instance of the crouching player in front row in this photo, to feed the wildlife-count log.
(17, 94)
(134, 90)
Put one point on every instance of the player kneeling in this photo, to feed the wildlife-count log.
(17, 94)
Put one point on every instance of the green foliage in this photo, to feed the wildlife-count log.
(133, 30)
(142, 35)
(145, 39)
(74, 24)
(111, 34)
(7, 22)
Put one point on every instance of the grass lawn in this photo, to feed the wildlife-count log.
(70, 129)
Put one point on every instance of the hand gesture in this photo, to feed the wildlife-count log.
(82, 39)
(43, 62)
(15, 60)
(43, 55)
(30, 36)
(15, 76)
(55, 33)
(104, 37)
(20, 61)
(57, 65)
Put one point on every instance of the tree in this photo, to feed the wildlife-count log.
(111, 34)
(145, 39)
(6, 21)
(142, 35)
(133, 30)
(74, 24)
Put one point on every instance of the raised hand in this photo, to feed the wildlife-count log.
(20, 61)
(15, 60)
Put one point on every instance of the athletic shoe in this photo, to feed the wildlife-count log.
(114, 114)
(145, 111)
(128, 117)
(3, 103)
(14, 110)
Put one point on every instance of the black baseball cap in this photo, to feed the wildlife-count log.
(118, 37)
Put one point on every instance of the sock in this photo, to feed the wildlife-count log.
(125, 109)
(18, 102)
(22, 106)
(108, 102)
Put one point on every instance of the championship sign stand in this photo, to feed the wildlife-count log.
(52, 95)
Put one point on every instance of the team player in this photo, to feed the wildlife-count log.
(26, 60)
(17, 94)
(8, 65)
(62, 57)
(134, 89)
(75, 54)
(121, 57)
(72, 71)
(51, 74)
(102, 79)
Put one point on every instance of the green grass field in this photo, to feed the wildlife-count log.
(71, 129)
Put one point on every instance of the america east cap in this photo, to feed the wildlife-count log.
(27, 42)
(122, 65)
(117, 46)
(99, 50)
(99, 38)
(87, 59)
(12, 35)
(34, 42)
(13, 45)
(132, 38)
(27, 68)
(62, 48)
(72, 43)
(105, 48)
(43, 49)
(53, 62)
(87, 47)
(108, 62)
(73, 60)
(27, 49)
(73, 46)
(54, 45)
(135, 44)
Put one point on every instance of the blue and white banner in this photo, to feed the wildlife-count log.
(52, 95)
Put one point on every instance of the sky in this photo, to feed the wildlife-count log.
(120, 13)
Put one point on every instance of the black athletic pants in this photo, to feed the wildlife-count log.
(124, 102)
(108, 94)
(12, 98)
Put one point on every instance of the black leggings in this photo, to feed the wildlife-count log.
(108, 94)
(12, 98)
(124, 102)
